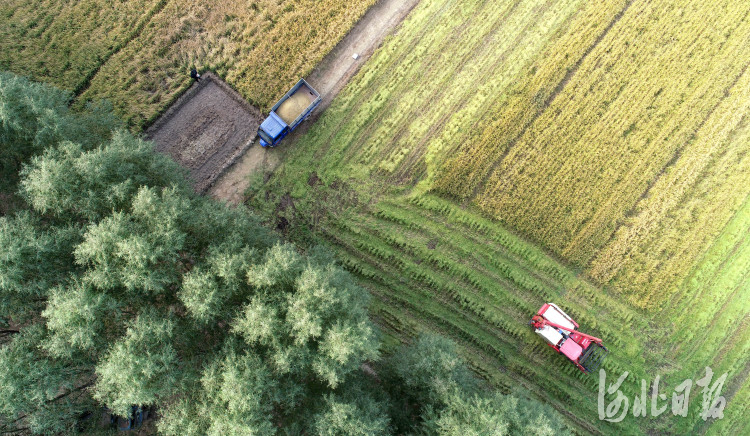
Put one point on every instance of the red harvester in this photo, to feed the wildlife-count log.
(560, 332)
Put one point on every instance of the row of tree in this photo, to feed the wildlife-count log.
(119, 286)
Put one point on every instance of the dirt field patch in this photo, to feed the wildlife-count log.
(231, 187)
(206, 130)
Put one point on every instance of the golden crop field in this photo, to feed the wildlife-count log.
(138, 54)
(64, 42)
(261, 48)
(625, 171)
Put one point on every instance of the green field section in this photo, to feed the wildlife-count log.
(711, 323)
(494, 156)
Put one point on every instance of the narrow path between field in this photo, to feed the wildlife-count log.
(328, 78)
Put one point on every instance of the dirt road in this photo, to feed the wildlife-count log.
(328, 78)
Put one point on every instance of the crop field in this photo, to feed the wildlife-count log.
(633, 148)
(489, 157)
(493, 156)
(137, 54)
(63, 42)
(478, 285)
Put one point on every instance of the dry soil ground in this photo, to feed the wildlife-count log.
(328, 79)
(206, 130)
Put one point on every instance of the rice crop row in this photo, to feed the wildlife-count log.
(64, 43)
(260, 47)
(421, 95)
(137, 54)
(686, 209)
(631, 110)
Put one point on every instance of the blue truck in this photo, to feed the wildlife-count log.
(293, 108)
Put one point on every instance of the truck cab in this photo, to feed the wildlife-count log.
(272, 130)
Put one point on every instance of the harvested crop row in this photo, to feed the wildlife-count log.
(420, 95)
(461, 289)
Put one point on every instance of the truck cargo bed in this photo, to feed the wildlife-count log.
(295, 105)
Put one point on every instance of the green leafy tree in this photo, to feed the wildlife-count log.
(68, 181)
(358, 410)
(35, 257)
(80, 319)
(141, 367)
(301, 336)
(35, 116)
(468, 416)
(422, 377)
(39, 393)
(434, 393)
(492, 415)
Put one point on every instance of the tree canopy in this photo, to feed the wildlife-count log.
(35, 116)
(119, 286)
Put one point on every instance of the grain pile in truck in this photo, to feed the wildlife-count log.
(292, 107)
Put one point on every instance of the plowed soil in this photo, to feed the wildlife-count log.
(206, 130)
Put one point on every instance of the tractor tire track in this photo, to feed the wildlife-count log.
(550, 99)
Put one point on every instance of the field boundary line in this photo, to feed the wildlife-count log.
(558, 89)
(86, 83)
